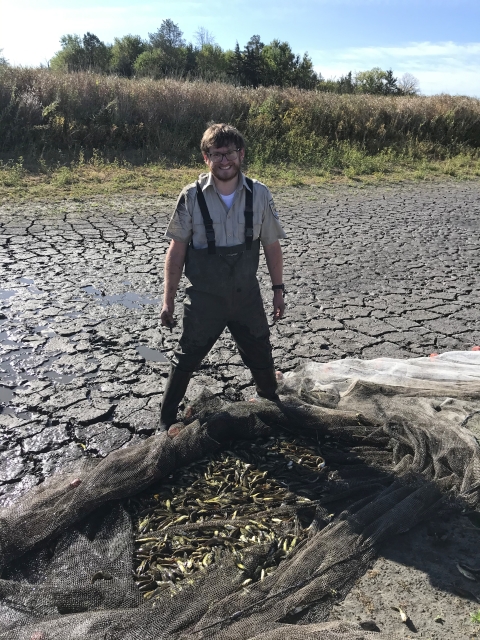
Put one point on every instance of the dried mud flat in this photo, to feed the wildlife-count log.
(391, 271)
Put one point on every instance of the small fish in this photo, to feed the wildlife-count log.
(467, 574)
(181, 519)
(402, 613)
(101, 575)
(140, 540)
(473, 569)
(207, 560)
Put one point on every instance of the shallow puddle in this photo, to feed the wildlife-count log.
(6, 394)
(60, 378)
(153, 355)
(7, 293)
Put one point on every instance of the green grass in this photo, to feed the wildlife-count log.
(96, 177)
(475, 617)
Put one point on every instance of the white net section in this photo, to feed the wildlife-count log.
(399, 439)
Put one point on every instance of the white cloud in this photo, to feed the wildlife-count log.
(442, 67)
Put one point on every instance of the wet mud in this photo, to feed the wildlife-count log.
(369, 272)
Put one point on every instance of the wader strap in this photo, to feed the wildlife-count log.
(248, 214)
(207, 221)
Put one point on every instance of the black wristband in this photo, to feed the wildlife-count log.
(279, 287)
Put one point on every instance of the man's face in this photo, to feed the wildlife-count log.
(224, 168)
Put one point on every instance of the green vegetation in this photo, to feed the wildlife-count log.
(475, 617)
(57, 116)
(167, 55)
(85, 178)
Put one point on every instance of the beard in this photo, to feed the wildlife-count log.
(226, 175)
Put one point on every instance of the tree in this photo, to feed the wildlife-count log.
(328, 86)
(82, 54)
(252, 64)
(3, 60)
(125, 51)
(167, 37)
(151, 63)
(212, 62)
(372, 81)
(96, 54)
(158, 63)
(178, 56)
(204, 36)
(304, 75)
(235, 69)
(280, 64)
(71, 55)
(190, 64)
(408, 85)
(346, 84)
(390, 83)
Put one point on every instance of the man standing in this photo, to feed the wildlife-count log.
(215, 233)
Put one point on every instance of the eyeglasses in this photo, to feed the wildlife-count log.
(218, 157)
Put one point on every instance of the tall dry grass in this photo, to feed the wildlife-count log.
(52, 115)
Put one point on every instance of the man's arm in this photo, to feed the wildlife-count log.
(174, 261)
(274, 258)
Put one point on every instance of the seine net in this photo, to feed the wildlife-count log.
(398, 438)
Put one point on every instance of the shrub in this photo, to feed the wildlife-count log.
(43, 112)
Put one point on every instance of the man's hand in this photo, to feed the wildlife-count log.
(278, 304)
(174, 261)
(166, 316)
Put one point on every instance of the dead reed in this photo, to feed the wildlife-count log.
(63, 117)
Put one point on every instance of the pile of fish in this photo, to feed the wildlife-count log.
(262, 493)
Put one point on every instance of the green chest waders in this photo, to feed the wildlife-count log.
(224, 293)
(224, 271)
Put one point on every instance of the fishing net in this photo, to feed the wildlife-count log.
(251, 520)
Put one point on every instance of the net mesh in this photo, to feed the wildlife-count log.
(398, 443)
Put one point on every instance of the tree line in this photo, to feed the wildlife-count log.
(167, 54)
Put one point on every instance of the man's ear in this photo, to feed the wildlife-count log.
(242, 154)
(205, 158)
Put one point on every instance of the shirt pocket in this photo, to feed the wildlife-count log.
(199, 237)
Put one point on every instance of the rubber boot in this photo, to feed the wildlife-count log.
(175, 388)
(266, 383)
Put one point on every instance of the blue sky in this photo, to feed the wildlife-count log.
(438, 41)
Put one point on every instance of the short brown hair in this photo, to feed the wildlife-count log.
(221, 135)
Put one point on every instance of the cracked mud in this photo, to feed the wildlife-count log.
(368, 272)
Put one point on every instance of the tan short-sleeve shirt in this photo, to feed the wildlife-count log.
(229, 224)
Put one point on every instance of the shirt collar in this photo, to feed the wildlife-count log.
(241, 183)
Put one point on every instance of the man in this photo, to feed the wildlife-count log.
(215, 234)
